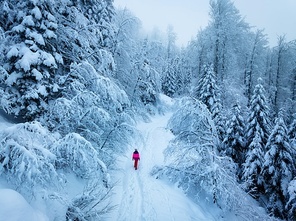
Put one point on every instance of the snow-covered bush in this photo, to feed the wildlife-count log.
(25, 158)
(77, 154)
(193, 163)
(92, 204)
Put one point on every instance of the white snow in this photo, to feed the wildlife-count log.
(28, 21)
(42, 90)
(37, 74)
(13, 52)
(48, 59)
(28, 58)
(139, 195)
(12, 78)
(49, 34)
(37, 37)
(37, 13)
(13, 207)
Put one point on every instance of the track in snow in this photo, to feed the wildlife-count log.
(141, 197)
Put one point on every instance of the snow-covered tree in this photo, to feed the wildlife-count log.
(31, 60)
(8, 14)
(254, 159)
(255, 62)
(107, 13)
(227, 30)
(127, 46)
(291, 204)
(206, 88)
(25, 158)
(185, 74)
(100, 14)
(234, 141)
(92, 204)
(169, 78)
(278, 169)
(192, 161)
(169, 81)
(207, 91)
(146, 80)
(93, 106)
(194, 148)
(73, 147)
(257, 132)
(258, 119)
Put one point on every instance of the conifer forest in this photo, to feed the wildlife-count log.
(77, 75)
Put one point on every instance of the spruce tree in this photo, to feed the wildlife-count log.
(146, 88)
(291, 204)
(292, 132)
(101, 13)
(31, 60)
(278, 169)
(234, 141)
(169, 86)
(254, 159)
(258, 119)
(207, 91)
(257, 131)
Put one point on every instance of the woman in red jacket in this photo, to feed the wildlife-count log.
(136, 158)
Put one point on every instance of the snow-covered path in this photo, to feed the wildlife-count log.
(141, 197)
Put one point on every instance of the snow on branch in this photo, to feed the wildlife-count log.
(77, 154)
(193, 163)
(25, 158)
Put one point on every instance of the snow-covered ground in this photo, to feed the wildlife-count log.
(140, 196)
(13, 206)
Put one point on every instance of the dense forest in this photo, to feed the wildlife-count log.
(75, 76)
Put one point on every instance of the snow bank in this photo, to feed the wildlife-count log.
(13, 207)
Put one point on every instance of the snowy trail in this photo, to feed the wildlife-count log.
(141, 197)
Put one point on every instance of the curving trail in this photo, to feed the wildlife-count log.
(141, 197)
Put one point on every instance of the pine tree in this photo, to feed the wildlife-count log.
(234, 139)
(292, 130)
(169, 80)
(146, 88)
(207, 91)
(186, 75)
(8, 14)
(169, 86)
(179, 77)
(258, 119)
(291, 204)
(107, 29)
(101, 13)
(31, 60)
(252, 167)
(257, 131)
(278, 169)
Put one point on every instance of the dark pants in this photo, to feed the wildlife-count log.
(136, 164)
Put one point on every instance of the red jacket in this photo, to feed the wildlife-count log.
(136, 155)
